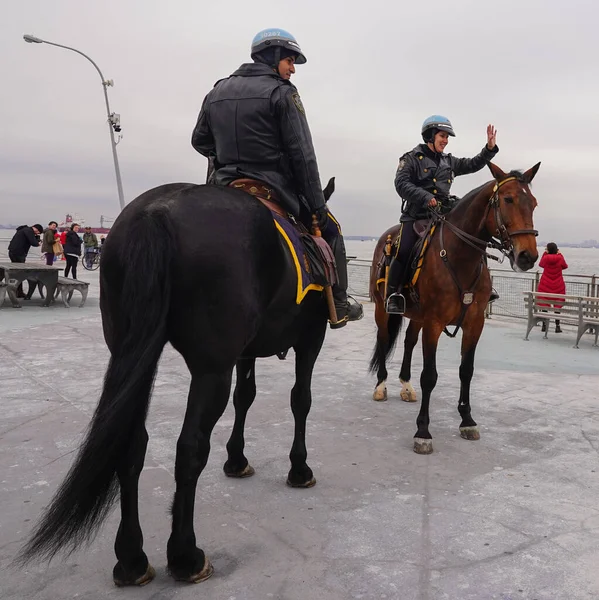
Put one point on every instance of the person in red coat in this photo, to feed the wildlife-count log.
(552, 279)
(63, 241)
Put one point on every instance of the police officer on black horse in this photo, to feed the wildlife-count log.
(253, 130)
(423, 180)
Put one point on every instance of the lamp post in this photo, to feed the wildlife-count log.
(114, 120)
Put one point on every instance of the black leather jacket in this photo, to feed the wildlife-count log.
(423, 174)
(253, 124)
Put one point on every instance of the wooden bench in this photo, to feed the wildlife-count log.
(580, 311)
(66, 287)
(3, 288)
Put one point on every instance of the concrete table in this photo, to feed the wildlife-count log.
(15, 273)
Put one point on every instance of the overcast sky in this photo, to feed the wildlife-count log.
(375, 70)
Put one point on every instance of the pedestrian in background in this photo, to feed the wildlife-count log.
(48, 242)
(552, 280)
(72, 250)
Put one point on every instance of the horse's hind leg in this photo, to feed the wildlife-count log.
(208, 396)
(423, 440)
(468, 427)
(245, 391)
(382, 344)
(408, 393)
(306, 353)
(132, 567)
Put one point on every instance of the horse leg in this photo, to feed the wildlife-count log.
(208, 396)
(245, 391)
(468, 428)
(423, 440)
(380, 351)
(132, 567)
(408, 393)
(306, 353)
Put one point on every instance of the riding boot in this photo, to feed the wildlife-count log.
(558, 329)
(348, 309)
(395, 303)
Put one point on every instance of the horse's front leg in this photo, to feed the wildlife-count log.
(472, 331)
(423, 440)
(408, 393)
(245, 392)
(306, 353)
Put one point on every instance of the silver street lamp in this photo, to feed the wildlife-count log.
(114, 120)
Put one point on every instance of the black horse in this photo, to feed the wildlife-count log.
(204, 268)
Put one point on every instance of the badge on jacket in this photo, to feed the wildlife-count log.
(402, 164)
(298, 103)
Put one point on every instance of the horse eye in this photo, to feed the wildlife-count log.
(508, 199)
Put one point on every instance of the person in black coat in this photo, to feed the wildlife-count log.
(22, 241)
(72, 250)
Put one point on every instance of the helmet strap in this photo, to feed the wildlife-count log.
(277, 58)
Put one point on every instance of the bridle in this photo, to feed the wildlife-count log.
(501, 240)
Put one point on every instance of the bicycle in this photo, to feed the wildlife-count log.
(91, 259)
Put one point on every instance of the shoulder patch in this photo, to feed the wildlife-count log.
(298, 103)
(402, 163)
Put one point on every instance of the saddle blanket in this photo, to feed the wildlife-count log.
(415, 265)
(291, 237)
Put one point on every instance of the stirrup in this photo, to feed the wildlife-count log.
(396, 304)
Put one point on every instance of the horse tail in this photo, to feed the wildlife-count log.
(135, 293)
(385, 342)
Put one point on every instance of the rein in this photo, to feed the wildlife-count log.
(503, 243)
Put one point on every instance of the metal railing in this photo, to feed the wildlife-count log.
(509, 285)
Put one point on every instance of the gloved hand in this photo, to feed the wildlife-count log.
(322, 214)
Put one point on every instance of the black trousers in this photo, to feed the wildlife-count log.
(399, 264)
(71, 266)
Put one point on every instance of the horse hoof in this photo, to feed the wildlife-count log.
(380, 393)
(408, 396)
(470, 433)
(306, 484)
(423, 446)
(206, 572)
(140, 581)
(408, 393)
(248, 471)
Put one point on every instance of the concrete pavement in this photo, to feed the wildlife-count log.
(513, 516)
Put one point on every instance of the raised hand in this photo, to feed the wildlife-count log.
(491, 136)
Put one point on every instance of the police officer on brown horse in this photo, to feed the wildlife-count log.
(423, 180)
(253, 129)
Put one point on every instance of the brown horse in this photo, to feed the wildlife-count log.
(453, 288)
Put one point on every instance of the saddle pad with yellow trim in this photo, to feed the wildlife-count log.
(424, 247)
(415, 263)
(291, 238)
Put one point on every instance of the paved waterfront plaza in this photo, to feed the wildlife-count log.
(513, 516)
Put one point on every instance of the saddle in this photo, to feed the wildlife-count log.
(424, 228)
(313, 257)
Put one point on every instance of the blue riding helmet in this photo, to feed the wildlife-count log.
(267, 38)
(439, 123)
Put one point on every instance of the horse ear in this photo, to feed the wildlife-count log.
(328, 191)
(530, 174)
(498, 174)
